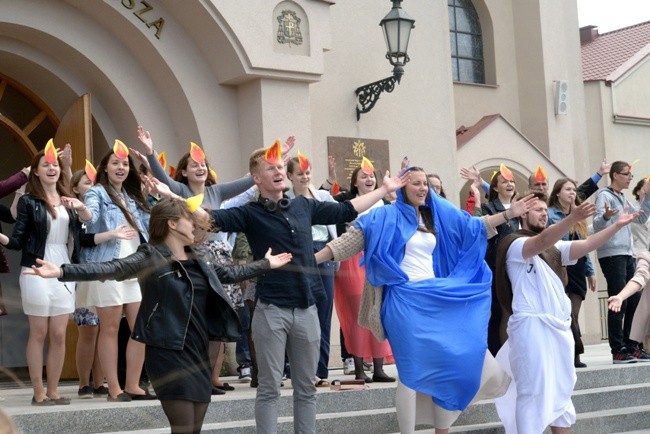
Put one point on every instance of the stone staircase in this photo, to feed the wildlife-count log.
(608, 399)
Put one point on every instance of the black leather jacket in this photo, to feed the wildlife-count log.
(167, 293)
(31, 229)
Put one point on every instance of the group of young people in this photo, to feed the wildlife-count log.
(422, 286)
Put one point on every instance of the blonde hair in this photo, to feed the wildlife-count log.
(255, 158)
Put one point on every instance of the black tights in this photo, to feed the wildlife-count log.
(184, 416)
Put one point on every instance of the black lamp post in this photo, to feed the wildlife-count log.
(397, 27)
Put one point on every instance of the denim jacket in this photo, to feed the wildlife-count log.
(106, 217)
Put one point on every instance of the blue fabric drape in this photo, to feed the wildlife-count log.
(437, 328)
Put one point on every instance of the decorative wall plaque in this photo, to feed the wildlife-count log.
(349, 151)
(289, 28)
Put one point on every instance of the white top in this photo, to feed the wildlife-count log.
(541, 314)
(418, 259)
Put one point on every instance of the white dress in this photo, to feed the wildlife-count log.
(49, 297)
(539, 349)
(112, 292)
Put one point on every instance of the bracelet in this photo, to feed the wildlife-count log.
(505, 214)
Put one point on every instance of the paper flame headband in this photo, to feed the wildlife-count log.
(304, 162)
(50, 152)
(120, 150)
(194, 202)
(197, 153)
(273, 154)
(91, 172)
(367, 167)
(540, 175)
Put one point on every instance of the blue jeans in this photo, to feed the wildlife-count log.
(618, 270)
(296, 330)
(324, 308)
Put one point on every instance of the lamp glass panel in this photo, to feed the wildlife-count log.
(391, 35)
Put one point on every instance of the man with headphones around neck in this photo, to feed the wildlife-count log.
(285, 316)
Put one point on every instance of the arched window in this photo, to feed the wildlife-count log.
(466, 42)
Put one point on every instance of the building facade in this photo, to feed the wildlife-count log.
(233, 76)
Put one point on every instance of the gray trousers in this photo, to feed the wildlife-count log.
(276, 329)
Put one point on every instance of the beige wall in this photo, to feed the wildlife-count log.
(417, 117)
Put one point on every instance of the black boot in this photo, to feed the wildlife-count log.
(359, 373)
(379, 375)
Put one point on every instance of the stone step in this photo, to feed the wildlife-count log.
(603, 393)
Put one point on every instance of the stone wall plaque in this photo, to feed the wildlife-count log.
(349, 151)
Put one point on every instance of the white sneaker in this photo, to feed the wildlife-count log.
(348, 366)
(245, 375)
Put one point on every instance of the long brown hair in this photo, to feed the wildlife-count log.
(182, 165)
(35, 187)
(132, 184)
(173, 209)
(580, 227)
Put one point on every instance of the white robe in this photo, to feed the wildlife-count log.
(539, 351)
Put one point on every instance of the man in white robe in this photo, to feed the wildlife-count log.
(539, 350)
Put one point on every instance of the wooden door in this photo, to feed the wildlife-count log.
(75, 128)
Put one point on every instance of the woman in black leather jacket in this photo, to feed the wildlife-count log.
(44, 228)
(183, 306)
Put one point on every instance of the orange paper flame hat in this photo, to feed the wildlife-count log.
(50, 152)
(367, 167)
(90, 171)
(162, 159)
(213, 174)
(120, 150)
(540, 174)
(194, 202)
(172, 171)
(273, 155)
(197, 153)
(304, 161)
(336, 188)
(506, 173)
(633, 163)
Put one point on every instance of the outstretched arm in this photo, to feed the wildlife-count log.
(581, 247)
(535, 245)
(364, 202)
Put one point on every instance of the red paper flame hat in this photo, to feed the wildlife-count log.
(540, 174)
(367, 167)
(273, 155)
(197, 153)
(120, 150)
(304, 161)
(90, 171)
(50, 152)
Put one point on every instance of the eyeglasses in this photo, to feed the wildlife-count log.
(626, 174)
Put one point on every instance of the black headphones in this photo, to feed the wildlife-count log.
(273, 206)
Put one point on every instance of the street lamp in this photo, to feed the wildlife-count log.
(397, 25)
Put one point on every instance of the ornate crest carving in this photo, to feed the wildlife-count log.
(289, 28)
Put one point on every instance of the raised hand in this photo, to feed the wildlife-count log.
(586, 209)
(45, 269)
(521, 206)
(155, 186)
(405, 163)
(604, 168)
(141, 158)
(288, 144)
(331, 167)
(626, 218)
(145, 139)
(277, 261)
(396, 182)
(471, 174)
(65, 156)
(609, 212)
